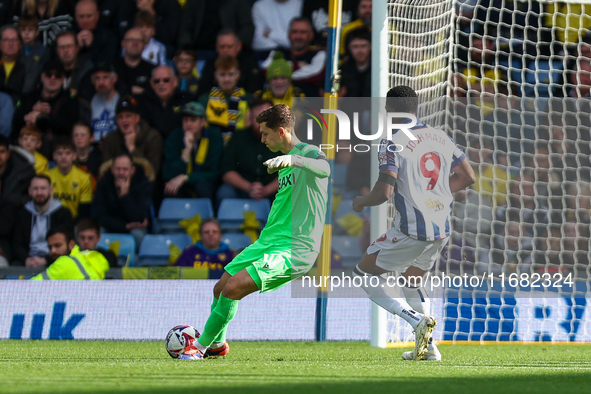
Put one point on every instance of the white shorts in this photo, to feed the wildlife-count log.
(397, 251)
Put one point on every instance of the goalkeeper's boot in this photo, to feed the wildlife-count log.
(191, 353)
(218, 352)
(432, 353)
(422, 336)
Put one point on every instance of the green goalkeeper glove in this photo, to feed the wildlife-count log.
(281, 162)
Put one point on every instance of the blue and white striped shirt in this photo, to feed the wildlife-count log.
(422, 196)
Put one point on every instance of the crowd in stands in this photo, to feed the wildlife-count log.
(107, 108)
(522, 73)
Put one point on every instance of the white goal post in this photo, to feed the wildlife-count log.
(516, 77)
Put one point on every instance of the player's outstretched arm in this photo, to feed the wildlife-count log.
(463, 176)
(381, 192)
(318, 167)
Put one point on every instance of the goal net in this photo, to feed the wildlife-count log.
(516, 77)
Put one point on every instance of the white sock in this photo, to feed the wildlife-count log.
(388, 297)
(431, 345)
(418, 300)
(200, 346)
(216, 345)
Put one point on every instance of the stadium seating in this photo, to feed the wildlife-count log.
(540, 76)
(172, 210)
(126, 247)
(236, 241)
(231, 212)
(155, 248)
(348, 248)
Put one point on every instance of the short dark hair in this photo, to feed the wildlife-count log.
(42, 176)
(144, 18)
(88, 224)
(301, 19)
(279, 115)
(402, 99)
(361, 33)
(87, 125)
(123, 154)
(228, 31)
(4, 141)
(63, 142)
(28, 21)
(61, 229)
(187, 50)
(66, 33)
(260, 101)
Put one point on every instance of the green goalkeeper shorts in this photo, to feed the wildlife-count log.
(271, 266)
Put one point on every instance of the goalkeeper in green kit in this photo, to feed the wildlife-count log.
(289, 243)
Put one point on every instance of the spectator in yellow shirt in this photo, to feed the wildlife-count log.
(71, 185)
(30, 140)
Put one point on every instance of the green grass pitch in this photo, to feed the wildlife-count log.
(290, 367)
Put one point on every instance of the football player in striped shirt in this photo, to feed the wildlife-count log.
(416, 174)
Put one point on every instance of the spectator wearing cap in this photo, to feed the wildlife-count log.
(12, 69)
(280, 89)
(76, 66)
(160, 105)
(96, 40)
(133, 136)
(52, 109)
(192, 156)
(307, 63)
(104, 102)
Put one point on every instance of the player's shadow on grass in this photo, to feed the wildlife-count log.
(513, 381)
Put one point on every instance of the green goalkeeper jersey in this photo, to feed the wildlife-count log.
(299, 210)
